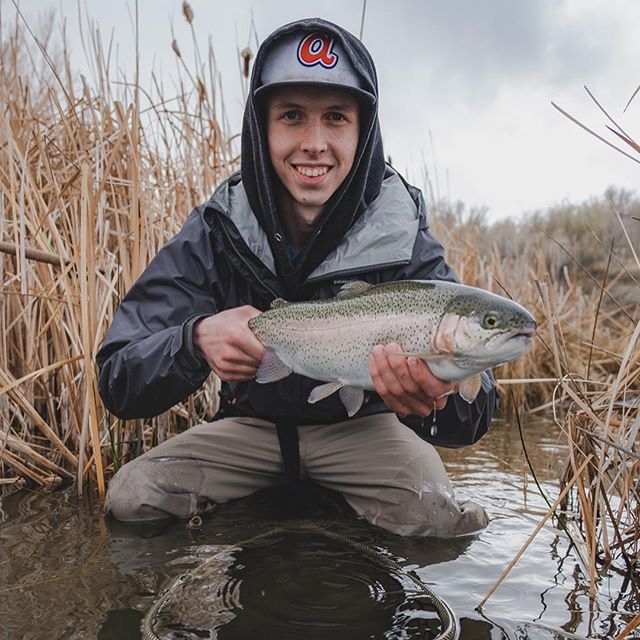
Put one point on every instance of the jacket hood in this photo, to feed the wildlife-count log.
(361, 186)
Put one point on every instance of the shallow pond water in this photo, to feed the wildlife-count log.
(265, 568)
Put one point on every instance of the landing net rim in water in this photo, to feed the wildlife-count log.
(445, 613)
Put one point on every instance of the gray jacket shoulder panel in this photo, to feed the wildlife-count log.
(384, 235)
(239, 212)
(378, 238)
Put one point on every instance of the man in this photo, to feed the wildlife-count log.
(314, 206)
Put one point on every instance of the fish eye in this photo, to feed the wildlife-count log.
(490, 320)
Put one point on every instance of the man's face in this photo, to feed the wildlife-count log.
(313, 135)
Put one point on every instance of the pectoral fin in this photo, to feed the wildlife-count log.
(470, 388)
(272, 368)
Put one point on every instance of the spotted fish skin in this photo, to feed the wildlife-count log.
(458, 330)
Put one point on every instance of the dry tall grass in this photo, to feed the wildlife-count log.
(591, 334)
(602, 422)
(92, 184)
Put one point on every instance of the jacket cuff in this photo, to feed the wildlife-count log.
(187, 355)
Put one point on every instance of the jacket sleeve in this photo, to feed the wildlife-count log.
(459, 423)
(146, 361)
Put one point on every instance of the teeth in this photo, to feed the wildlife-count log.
(312, 172)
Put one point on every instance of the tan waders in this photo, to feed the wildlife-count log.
(384, 470)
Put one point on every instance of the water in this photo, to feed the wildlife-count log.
(256, 572)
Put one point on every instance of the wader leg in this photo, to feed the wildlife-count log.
(205, 465)
(389, 476)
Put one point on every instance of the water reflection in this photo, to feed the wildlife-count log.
(56, 579)
(290, 585)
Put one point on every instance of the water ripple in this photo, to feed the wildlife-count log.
(279, 587)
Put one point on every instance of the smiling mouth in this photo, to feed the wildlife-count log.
(311, 172)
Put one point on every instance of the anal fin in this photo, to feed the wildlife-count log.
(352, 399)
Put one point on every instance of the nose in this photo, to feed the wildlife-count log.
(314, 139)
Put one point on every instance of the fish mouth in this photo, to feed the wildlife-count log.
(528, 331)
(525, 332)
(505, 347)
(521, 334)
(524, 338)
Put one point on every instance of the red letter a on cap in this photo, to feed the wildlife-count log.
(317, 49)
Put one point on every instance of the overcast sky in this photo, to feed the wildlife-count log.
(465, 85)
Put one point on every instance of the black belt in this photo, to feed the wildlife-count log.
(290, 449)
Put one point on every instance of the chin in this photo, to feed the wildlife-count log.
(311, 200)
(312, 203)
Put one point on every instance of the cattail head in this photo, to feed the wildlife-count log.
(174, 46)
(202, 92)
(187, 11)
(246, 54)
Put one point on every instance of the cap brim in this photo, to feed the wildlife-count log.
(360, 93)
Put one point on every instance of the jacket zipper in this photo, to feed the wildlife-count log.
(239, 254)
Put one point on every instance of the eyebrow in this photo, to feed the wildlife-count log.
(296, 105)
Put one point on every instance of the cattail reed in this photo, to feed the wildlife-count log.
(187, 11)
(589, 341)
(89, 191)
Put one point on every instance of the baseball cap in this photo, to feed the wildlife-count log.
(309, 58)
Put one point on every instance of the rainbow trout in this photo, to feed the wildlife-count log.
(459, 331)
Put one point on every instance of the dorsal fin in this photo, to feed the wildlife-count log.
(353, 288)
(279, 302)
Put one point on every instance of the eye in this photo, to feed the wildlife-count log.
(491, 320)
(291, 115)
(335, 116)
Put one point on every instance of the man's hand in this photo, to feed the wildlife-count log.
(228, 345)
(406, 384)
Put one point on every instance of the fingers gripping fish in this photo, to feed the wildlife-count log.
(459, 331)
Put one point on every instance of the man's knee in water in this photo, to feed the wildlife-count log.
(419, 501)
(139, 492)
(431, 512)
